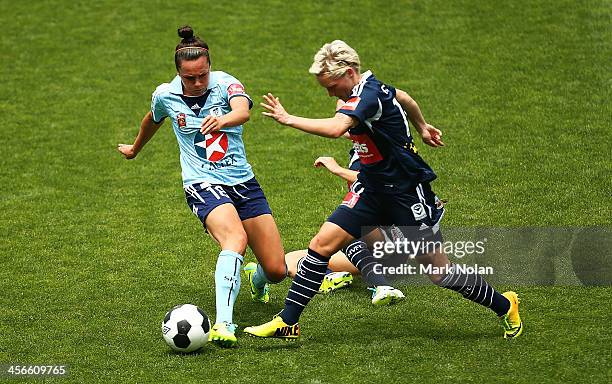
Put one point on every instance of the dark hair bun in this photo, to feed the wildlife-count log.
(186, 32)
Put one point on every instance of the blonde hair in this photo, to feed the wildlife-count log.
(333, 59)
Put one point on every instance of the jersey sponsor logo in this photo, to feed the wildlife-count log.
(351, 104)
(181, 120)
(350, 199)
(235, 89)
(212, 147)
(418, 211)
(366, 149)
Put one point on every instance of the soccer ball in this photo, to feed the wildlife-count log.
(185, 328)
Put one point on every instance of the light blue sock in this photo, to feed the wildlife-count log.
(227, 284)
(259, 278)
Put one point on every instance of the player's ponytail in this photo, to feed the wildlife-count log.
(186, 33)
(190, 48)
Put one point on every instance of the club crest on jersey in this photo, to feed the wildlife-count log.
(181, 120)
(216, 112)
(366, 149)
(418, 211)
(211, 147)
(235, 89)
(351, 104)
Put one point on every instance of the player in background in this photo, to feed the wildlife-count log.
(207, 110)
(342, 268)
(396, 189)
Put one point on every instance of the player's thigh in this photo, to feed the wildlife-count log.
(215, 210)
(359, 213)
(265, 242)
(375, 236)
(225, 227)
(340, 263)
(292, 259)
(330, 239)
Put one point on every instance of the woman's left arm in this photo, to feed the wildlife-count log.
(430, 134)
(238, 115)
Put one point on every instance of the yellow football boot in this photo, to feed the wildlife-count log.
(222, 334)
(511, 321)
(275, 328)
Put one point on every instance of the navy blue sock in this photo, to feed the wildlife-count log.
(361, 257)
(305, 285)
(473, 287)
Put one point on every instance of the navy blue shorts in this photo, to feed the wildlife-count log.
(248, 198)
(418, 211)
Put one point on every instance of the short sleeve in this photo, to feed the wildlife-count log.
(363, 106)
(158, 109)
(232, 87)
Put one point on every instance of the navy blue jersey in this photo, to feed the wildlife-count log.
(388, 156)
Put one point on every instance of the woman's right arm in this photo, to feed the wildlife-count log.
(148, 128)
(330, 163)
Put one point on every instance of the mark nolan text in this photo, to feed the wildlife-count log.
(406, 269)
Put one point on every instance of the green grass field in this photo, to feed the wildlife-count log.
(95, 249)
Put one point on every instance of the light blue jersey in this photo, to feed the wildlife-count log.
(217, 158)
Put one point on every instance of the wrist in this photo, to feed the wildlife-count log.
(290, 121)
(336, 171)
(421, 127)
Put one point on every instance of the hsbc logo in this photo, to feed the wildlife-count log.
(360, 148)
(366, 148)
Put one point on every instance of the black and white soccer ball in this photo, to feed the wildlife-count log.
(185, 328)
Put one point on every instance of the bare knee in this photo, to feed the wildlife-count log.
(276, 273)
(235, 241)
(322, 247)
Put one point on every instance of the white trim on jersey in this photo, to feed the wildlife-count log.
(376, 116)
(354, 158)
(357, 89)
(398, 105)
